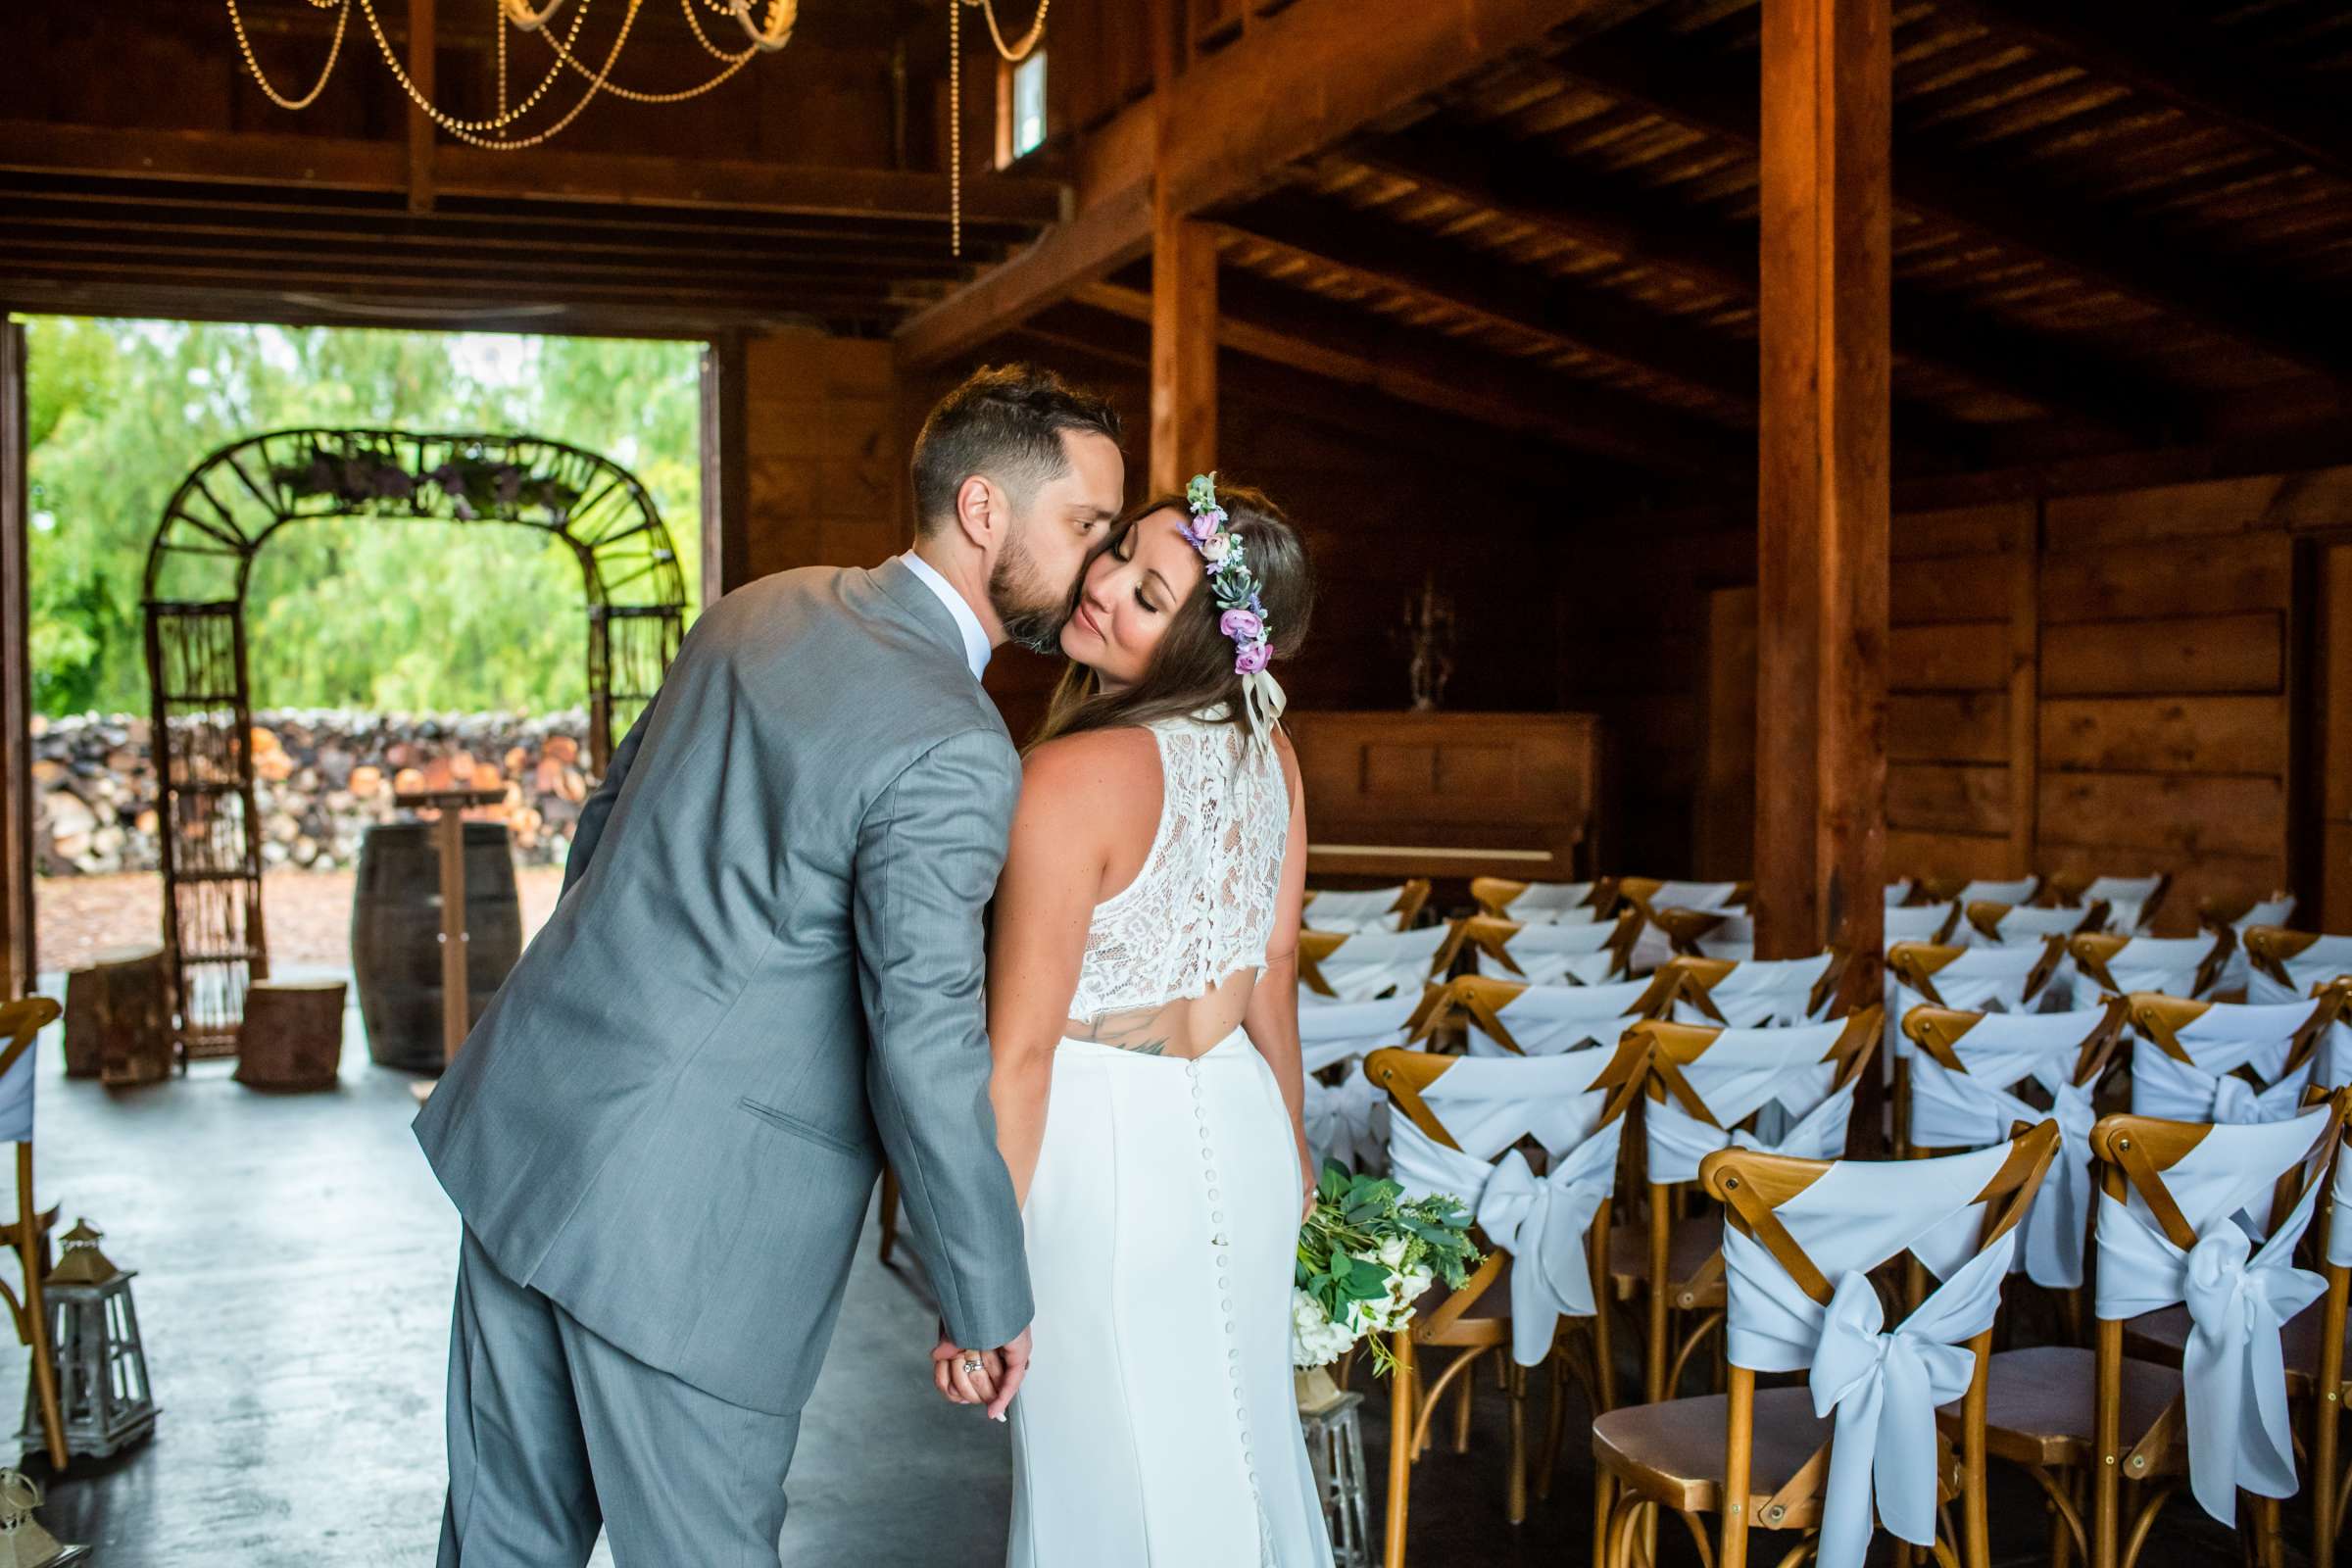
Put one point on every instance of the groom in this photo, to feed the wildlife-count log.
(762, 977)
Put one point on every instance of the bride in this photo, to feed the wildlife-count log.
(1143, 1010)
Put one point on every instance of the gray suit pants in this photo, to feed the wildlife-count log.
(552, 1431)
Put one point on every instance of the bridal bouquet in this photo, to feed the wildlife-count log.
(1364, 1257)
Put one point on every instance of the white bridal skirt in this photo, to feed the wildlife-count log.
(1157, 1425)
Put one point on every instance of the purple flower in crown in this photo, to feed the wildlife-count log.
(1203, 525)
(1253, 657)
(1241, 625)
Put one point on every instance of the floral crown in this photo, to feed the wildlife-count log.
(1244, 613)
(1241, 613)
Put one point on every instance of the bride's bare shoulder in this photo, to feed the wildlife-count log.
(1094, 776)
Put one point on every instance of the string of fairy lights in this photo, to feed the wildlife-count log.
(767, 26)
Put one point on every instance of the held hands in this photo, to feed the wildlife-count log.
(995, 1381)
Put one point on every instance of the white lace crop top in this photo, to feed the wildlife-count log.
(1202, 907)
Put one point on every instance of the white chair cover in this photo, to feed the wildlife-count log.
(2021, 891)
(1899, 890)
(1373, 909)
(1547, 1020)
(1920, 923)
(16, 1098)
(1349, 1121)
(2025, 926)
(1553, 903)
(2233, 1372)
(2227, 1036)
(2324, 960)
(1733, 938)
(1982, 979)
(1977, 1109)
(1651, 947)
(1744, 1071)
(2235, 971)
(2126, 900)
(1883, 1385)
(2339, 1216)
(1763, 991)
(2167, 966)
(1489, 1105)
(1373, 963)
(1554, 955)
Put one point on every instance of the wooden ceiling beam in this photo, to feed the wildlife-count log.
(1311, 74)
(1295, 329)
(2162, 52)
(1502, 175)
(329, 162)
(2113, 249)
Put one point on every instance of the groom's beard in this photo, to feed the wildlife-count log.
(1031, 614)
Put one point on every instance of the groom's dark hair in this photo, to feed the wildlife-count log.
(1004, 421)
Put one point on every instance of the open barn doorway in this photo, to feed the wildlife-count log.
(360, 659)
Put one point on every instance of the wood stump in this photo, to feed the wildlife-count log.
(118, 1018)
(293, 1034)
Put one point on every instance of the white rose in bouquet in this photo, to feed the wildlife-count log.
(1315, 1340)
(1365, 1258)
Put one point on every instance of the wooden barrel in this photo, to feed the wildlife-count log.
(396, 935)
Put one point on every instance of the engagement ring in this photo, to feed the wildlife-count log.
(974, 1365)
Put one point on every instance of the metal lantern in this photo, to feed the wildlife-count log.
(101, 1367)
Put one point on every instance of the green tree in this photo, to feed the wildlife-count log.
(350, 613)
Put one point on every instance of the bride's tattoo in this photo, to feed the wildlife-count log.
(1136, 1032)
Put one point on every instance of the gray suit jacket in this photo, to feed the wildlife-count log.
(763, 972)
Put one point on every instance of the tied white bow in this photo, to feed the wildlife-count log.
(1678, 1141)
(1952, 1109)
(1342, 1120)
(1885, 1387)
(1262, 699)
(2232, 1371)
(2163, 1085)
(1542, 1222)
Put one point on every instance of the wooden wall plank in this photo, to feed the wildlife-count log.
(2209, 507)
(1919, 853)
(2166, 734)
(1988, 530)
(2203, 654)
(1962, 588)
(1940, 798)
(2187, 578)
(1184, 348)
(1725, 847)
(2194, 812)
(1947, 728)
(2197, 876)
(1960, 656)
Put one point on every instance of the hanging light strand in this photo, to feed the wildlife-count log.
(733, 64)
(251, 64)
(1013, 54)
(469, 130)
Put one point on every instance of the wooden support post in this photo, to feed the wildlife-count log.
(448, 838)
(16, 679)
(1824, 495)
(421, 43)
(1184, 348)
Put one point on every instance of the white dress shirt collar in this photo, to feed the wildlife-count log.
(976, 647)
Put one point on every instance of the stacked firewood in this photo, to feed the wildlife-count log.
(322, 777)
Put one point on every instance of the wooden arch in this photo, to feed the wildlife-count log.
(198, 569)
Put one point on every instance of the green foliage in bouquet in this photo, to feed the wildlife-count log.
(1366, 1254)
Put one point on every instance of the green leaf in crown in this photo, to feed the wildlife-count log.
(1201, 493)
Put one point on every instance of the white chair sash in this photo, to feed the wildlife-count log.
(1922, 922)
(1338, 1030)
(2232, 1371)
(1897, 891)
(16, 1097)
(1547, 1021)
(1555, 954)
(1553, 903)
(1763, 991)
(2218, 1041)
(2339, 1215)
(1883, 1386)
(1542, 1221)
(2324, 960)
(2020, 891)
(2167, 966)
(1373, 909)
(1744, 1072)
(1651, 947)
(1976, 1109)
(1982, 979)
(2236, 972)
(2126, 900)
(1346, 1122)
(1371, 963)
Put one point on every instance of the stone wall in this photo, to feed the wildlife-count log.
(322, 778)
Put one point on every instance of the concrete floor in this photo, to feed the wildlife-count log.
(296, 1261)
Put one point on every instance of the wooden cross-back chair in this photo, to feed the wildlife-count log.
(1761, 1458)
(1406, 960)
(21, 1024)
(1543, 1020)
(1675, 1262)
(1748, 993)
(1969, 890)
(2238, 917)
(2177, 967)
(1996, 922)
(1479, 1317)
(1967, 1067)
(1707, 933)
(2253, 1064)
(1942, 974)
(1585, 953)
(1922, 922)
(1542, 903)
(2320, 1357)
(2287, 965)
(2130, 902)
(1392, 908)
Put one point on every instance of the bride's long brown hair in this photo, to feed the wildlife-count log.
(1192, 669)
